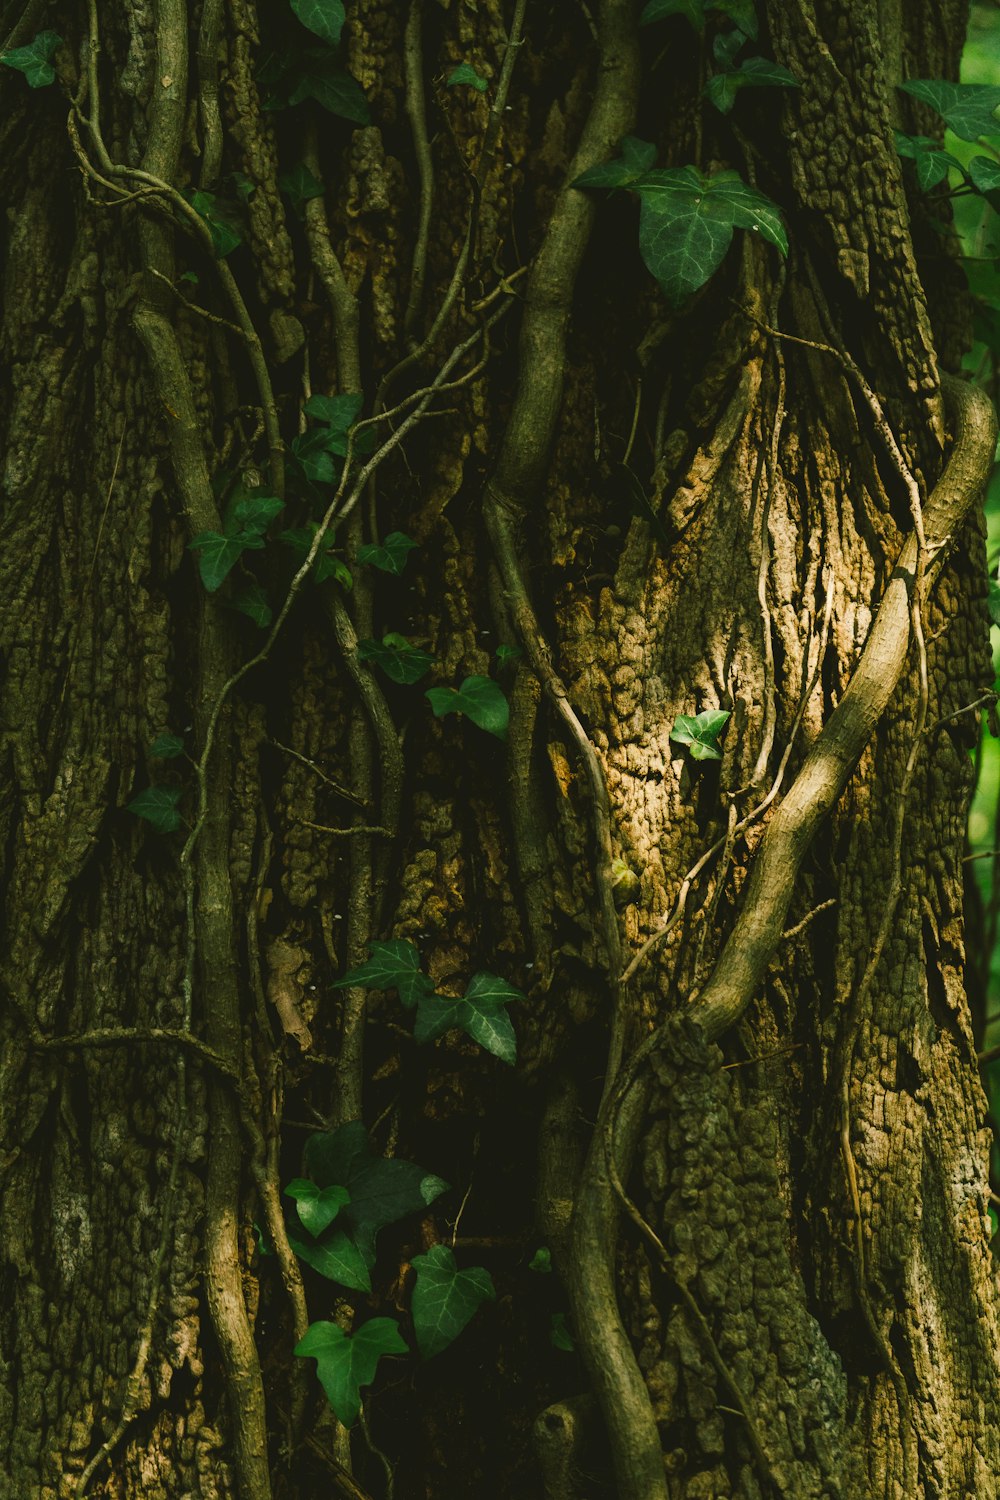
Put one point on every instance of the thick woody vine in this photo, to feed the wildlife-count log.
(337, 453)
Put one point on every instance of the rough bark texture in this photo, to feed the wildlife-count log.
(809, 1307)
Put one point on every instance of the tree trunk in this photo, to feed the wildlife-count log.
(746, 1115)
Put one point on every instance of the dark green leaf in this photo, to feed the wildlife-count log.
(34, 60)
(445, 1298)
(382, 1190)
(319, 76)
(968, 109)
(390, 556)
(336, 1257)
(252, 602)
(316, 1207)
(339, 413)
(436, 1014)
(541, 1261)
(994, 601)
(726, 45)
(345, 1362)
(508, 653)
(325, 564)
(466, 73)
(700, 732)
(393, 965)
(400, 661)
(636, 158)
(559, 1334)
(491, 988)
(158, 805)
(252, 512)
(740, 12)
(984, 174)
(658, 10)
(488, 1023)
(753, 72)
(311, 451)
(930, 162)
(300, 185)
(479, 698)
(166, 746)
(323, 17)
(225, 231)
(243, 186)
(687, 221)
(480, 1014)
(216, 556)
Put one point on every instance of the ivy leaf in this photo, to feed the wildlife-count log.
(299, 185)
(968, 109)
(345, 1362)
(700, 732)
(687, 220)
(445, 1298)
(389, 556)
(394, 965)
(216, 556)
(252, 512)
(34, 60)
(726, 45)
(930, 162)
(167, 746)
(252, 602)
(316, 1207)
(436, 1014)
(339, 413)
(311, 451)
(541, 1261)
(226, 233)
(741, 13)
(480, 1014)
(323, 17)
(479, 698)
(319, 76)
(559, 1334)
(753, 72)
(337, 1258)
(466, 73)
(658, 10)
(508, 653)
(637, 157)
(382, 1189)
(993, 602)
(400, 661)
(158, 805)
(984, 174)
(325, 564)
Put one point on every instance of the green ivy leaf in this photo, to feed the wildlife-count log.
(753, 72)
(311, 451)
(466, 73)
(541, 1261)
(687, 220)
(984, 174)
(741, 13)
(323, 17)
(480, 1014)
(479, 698)
(252, 602)
(325, 564)
(700, 732)
(316, 1207)
(993, 601)
(726, 45)
(393, 965)
(158, 805)
(321, 77)
(336, 1257)
(445, 1299)
(225, 231)
(389, 556)
(167, 746)
(34, 60)
(400, 661)
(217, 555)
(346, 1362)
(382, 1190)
(339, 413)
(508, 653)
(930, 162)
(251, 512)
(559, 1334)
(968, 109)
(299, 185)
(658, 10)
(637, 157)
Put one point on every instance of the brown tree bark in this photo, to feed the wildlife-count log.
(746, 1114)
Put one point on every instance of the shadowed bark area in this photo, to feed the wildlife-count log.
(757, 1153)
